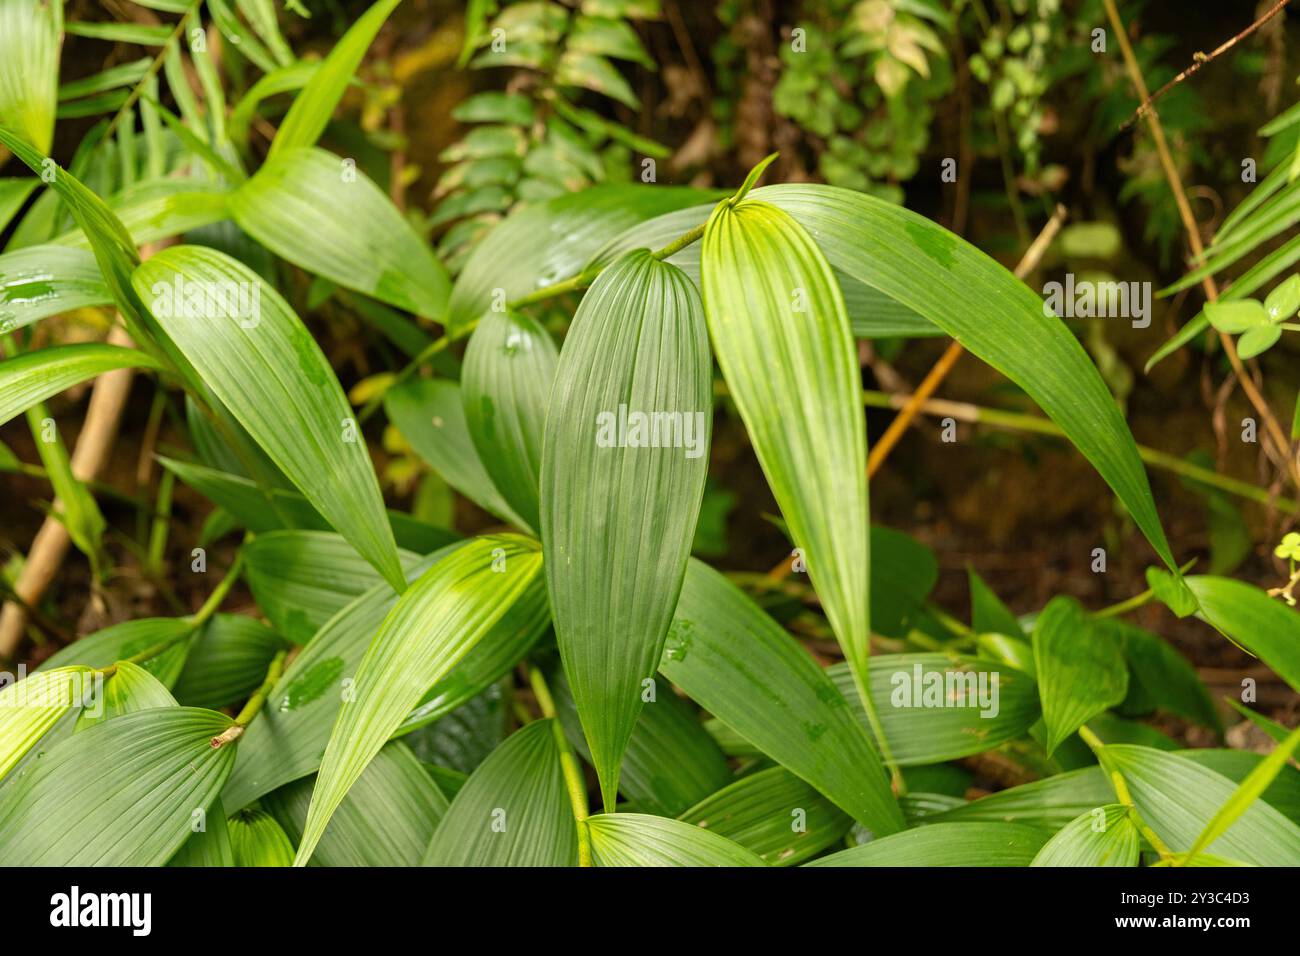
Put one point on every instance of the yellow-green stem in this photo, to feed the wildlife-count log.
(568, 762)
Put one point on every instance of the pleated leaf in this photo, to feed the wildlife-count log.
(637, 839)
(933, 707)
(256, 839)
(739, 665)
(121, 793)
(126, 639)
(430, 629)
(430, 415)
(928, 269)
(208, 846)
(1079, 666)
(777, 320)
(40, 281)
(387, 818)
(310, 208)
(619, 504)
(1261, 624)
(31, 33)
(301, 579)
(31, 706)
(1178, 798)
(255, 354)
(314, 106)
(34, 376)
(227, 661)
(513, 810)
(129, 689)
(774, 814)
(1104, 836)
(948, 844)
(1051, 802)
(506, 387)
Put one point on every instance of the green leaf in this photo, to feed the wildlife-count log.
(289, 736)
(141, 34)
(1079, 667)
(31, 706)
(1283, 794)
(301, 579)
(13, 194)
(208, 846)
(618, 512)
(947, 844)
(988, 615)
(126, 639)
(121, 793)
(506, 386)
(1104, 836)
(430, 415)
(994, 315)
(265, 367)
(430, 629)
(1051, 802)
(782, 339)
(513, 810)
(740, 666)
(1257, 341)
(933, 707)
(1250, 789)
(227, 661)
(312, 109)
(30, 37)
(34, 376)
(310, 208)
(40, 281)
(1160, 677)
(637, 839)
(1178, 799)
(547, 242)
(387, 818)
(774, 814)
(257, 840)
(671, 761)
(1237, 317)
(903, 573)
(1262, 625)
(129, 689)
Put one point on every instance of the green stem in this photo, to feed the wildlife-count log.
(568, 762)
(254, 705)
(1122, 793)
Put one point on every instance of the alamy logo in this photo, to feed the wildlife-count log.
(46, 690)
(635, 429)
(1086, 299)
(946, 688)
(74, 908)
(186, 299)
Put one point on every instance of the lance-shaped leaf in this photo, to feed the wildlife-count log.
(31, 706)
(126, 639)
(1080, 669)
(31, 33)
(782, 339)
(1104, 836)
(1178, 798)
(506, 387)
(1262, 625)
(387, 818)
(46, 280)
(315, 210)
(774, 814)
(948, 844)
(121, 793)
(623, 469)
(1051, 802)
(255, 354)
(994, 315)
(34, 376)
(638, 839)
(514, 809)
(430, 415)
(739, 665)
(432, 627)
(301, 579)
(311, 111)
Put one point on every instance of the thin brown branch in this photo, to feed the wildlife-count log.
(1200, 59)
(1280, 451)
